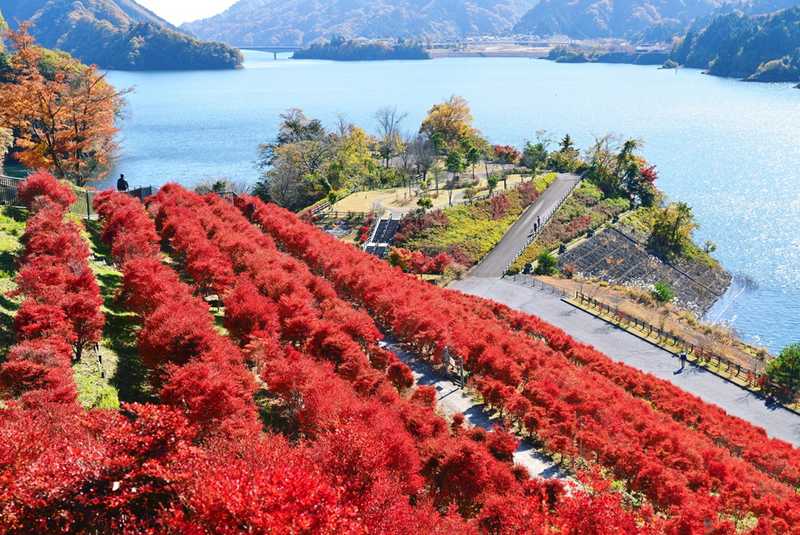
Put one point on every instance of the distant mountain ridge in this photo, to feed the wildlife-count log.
(302, 22)
(116, 34)
(590, 19)
(761, 48)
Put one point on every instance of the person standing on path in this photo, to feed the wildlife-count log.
(683, 357)
(122, 184)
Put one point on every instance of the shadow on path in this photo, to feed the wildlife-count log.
(453, 400)
(626, 348)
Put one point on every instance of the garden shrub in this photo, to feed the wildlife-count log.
(663, 292)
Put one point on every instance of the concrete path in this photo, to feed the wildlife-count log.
(497, 261)
(452, 400)
(624, 347)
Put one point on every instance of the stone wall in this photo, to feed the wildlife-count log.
(618, 258)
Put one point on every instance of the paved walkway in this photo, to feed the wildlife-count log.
(497, 261)
(624, 347)
(452, 400)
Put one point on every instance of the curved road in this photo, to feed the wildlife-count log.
(497, 261)
(624, 347)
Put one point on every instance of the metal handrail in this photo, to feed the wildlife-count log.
(535, 234)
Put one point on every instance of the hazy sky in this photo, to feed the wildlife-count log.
(180, 11)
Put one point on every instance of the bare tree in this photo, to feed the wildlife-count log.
(389, 120)
(407, 154)
(424, 153)
(343, 126)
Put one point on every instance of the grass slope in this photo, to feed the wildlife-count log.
(471, 231)
(122, 367)
(12, 226)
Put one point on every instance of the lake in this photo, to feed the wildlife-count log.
(728, 148)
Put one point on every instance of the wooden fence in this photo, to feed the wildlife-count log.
(701, 355)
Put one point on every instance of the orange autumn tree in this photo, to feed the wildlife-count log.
(63, 119)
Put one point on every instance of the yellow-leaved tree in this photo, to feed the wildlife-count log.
(449, 125)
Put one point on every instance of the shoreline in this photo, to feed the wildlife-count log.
(606, 57)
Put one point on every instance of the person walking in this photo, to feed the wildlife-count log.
(122, 184)
(683, 358)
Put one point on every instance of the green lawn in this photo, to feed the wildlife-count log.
(121, 370)
(12, 226)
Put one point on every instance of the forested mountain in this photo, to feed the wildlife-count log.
(117, 12)
(116, 34)
(758, 48)
(297, 22)
(600, 18)
(627, 18)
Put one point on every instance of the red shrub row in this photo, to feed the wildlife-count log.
(140, 469)
(60, 315)
(774, 457)
(306, 307)
(195, 367)
(401, 441)
(572, 409)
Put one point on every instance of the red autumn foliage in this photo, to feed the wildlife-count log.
(415, 223)
(499, 206)
(528, 193)
(309, 394)
(366, 454)
(502, 444)
(506, 154)
(418, 262)
(363, 458)
(578, 402)
(650, 174)
(248, 313)
(198, 369)
(42, 185)
(60, 315)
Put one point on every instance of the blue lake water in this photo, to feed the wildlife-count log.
(730, 149)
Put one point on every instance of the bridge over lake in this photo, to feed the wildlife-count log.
(275, 49)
